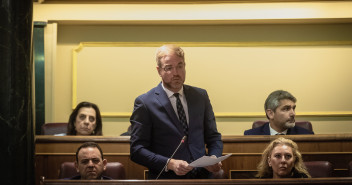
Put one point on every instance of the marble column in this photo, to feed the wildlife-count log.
(16, 112)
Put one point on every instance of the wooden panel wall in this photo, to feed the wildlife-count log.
(246, 151)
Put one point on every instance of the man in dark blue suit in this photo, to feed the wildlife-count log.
(280, 110)
(161, 118)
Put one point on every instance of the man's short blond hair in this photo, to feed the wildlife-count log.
(168, 49)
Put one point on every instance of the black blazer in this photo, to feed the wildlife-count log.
(157, 131)
(265, 130)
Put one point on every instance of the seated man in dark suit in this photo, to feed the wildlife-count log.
(280, 110)
(90, 162)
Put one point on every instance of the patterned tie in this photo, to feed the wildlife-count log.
(181, 114)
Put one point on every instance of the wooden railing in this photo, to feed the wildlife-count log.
(51, 151)
(316, 181)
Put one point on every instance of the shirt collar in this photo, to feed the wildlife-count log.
(274, 132)
(170, 93)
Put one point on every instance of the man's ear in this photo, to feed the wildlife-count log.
(76, 166)
(105, 162)
(270, 113)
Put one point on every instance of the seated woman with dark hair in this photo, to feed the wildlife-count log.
(85, 120)
(281, 159)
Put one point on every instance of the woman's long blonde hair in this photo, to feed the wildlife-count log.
(264, 170)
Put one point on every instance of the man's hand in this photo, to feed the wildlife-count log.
(215, 167)
(180, 167)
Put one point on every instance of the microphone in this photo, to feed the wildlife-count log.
(182, 141)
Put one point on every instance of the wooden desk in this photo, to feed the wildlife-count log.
(316, 181)
(51, 151)
(246, 151)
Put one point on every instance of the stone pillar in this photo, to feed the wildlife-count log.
(16, 115)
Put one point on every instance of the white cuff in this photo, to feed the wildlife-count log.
(166, 169)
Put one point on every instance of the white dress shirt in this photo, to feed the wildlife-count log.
(172, 99)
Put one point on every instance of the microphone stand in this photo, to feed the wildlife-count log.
(182, 141)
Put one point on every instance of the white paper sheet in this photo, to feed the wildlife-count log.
(207, 161)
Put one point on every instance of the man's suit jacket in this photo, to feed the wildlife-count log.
(157, 131)
(265, 130)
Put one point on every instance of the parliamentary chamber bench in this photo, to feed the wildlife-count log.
(315, 181)
(52, 151)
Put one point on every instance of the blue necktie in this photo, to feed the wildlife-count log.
(181, 114)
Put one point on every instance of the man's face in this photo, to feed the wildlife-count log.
(85, 121)
(172, 72)
(90, 164)
(281, 161)
(284, 115)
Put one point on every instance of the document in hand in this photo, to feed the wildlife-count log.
(208, 160)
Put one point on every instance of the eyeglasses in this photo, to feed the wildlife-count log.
(169, 68)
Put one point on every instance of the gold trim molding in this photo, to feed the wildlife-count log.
(207, 22)
(242, 115)
(167, 1)
(203, 44)
(209, 44)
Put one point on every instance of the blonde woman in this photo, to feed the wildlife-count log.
(281, 159)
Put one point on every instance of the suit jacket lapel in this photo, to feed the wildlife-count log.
(191, 104)
(161, 96)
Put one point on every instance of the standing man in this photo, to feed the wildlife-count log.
(167, 113)
(90, 163)
(280, 110)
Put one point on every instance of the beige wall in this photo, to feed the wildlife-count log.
(239, 64)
